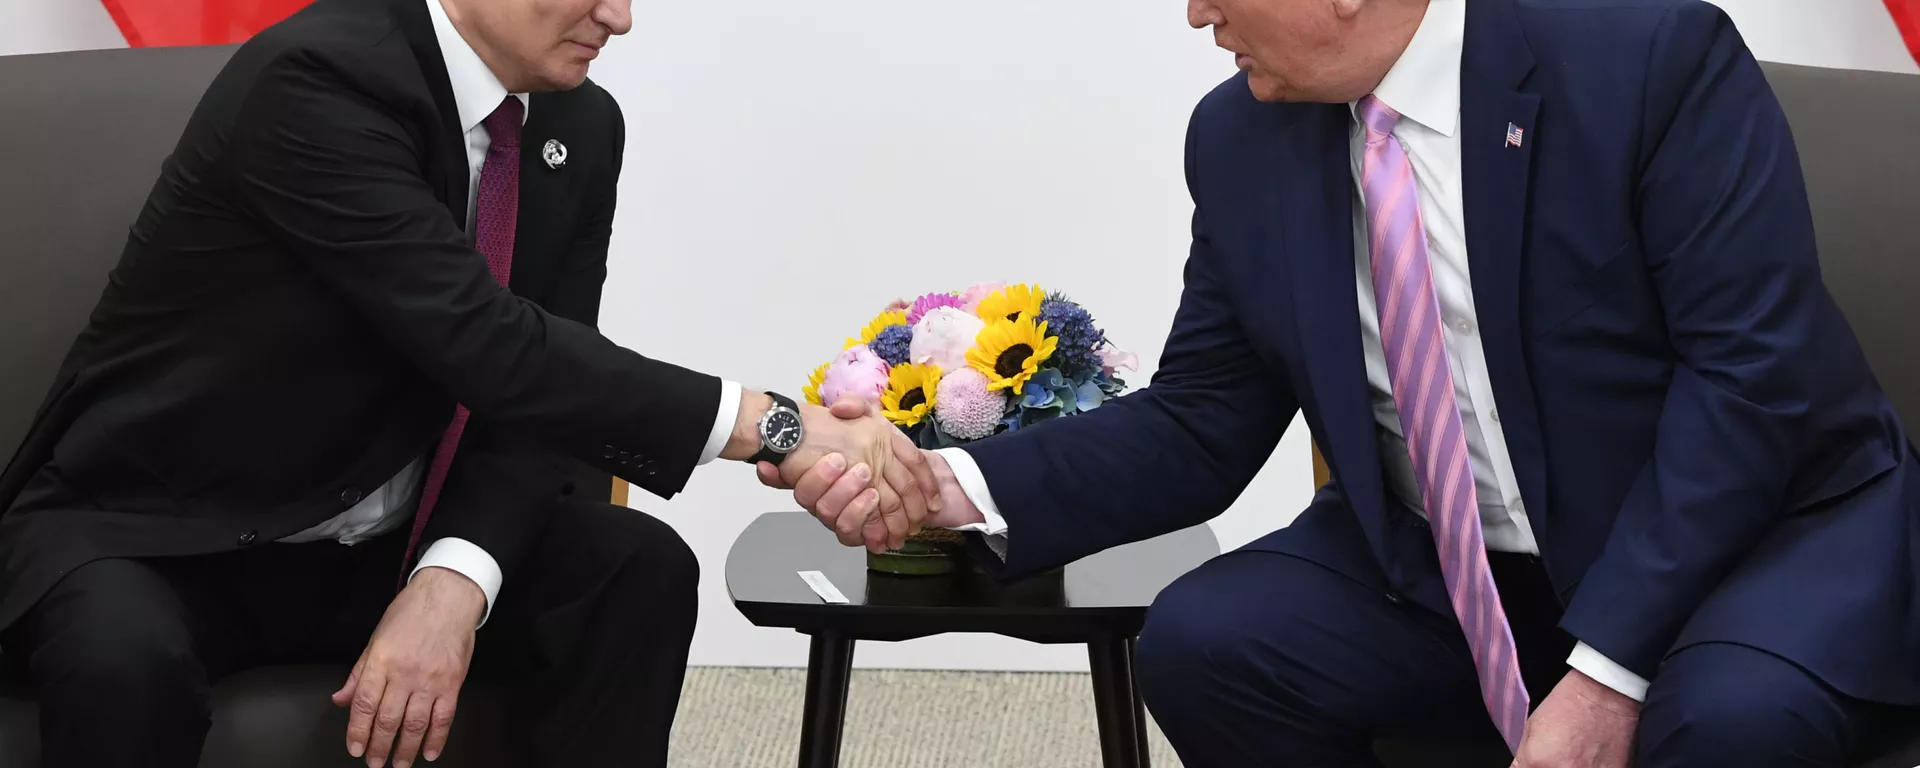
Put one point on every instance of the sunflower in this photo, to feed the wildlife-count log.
(1008, 352)
(886, 320)
(812, 389)
(910, 393)
(1011, 302)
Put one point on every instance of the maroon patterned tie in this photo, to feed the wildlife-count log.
(496, 210)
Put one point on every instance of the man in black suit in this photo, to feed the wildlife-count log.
(348, 351)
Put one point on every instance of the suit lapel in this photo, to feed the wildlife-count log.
(1313, 211)
(540, 185)
(452, 143)
(1495, 176)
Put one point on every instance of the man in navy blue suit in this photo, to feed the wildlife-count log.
(1611, 478)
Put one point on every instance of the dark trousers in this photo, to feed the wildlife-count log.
(1263, 659)
(591, 633)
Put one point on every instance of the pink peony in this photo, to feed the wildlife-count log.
(928, 303)
(1114, 358)
(857, 372)
(970, 298)
(943, 337)
(965, 408)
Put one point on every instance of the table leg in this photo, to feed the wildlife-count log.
(1139, 709)
(1114, 703)
(829, 665)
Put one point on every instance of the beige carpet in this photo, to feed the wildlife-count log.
(750, 718)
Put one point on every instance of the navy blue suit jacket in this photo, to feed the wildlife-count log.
(1704, 453)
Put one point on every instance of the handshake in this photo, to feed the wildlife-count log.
(861, 476)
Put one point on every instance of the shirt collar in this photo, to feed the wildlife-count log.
(476, 91)
(1424, 85)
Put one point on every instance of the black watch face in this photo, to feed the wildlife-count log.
(782, 431)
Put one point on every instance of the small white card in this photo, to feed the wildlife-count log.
(822, 587)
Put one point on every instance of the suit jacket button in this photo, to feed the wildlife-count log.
(247, 538)
(609, 452)
(351, 496)
(1393, 597)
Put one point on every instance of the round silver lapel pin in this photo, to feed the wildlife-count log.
(555, 153)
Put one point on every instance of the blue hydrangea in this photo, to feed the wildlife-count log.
(1078, 354)
(892, 344)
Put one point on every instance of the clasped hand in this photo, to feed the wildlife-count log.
(896, 488)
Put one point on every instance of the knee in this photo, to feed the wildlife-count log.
(659, 561)
(1187, 647)
(667, 556)
(106, 657)
(1733, 705)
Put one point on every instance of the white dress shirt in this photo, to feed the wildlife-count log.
(477, 92)
(1424, 87)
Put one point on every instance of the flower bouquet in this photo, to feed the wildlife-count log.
(954, 368)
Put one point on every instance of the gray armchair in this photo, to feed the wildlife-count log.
(83, 139)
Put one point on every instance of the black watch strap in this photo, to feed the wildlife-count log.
(768, 454)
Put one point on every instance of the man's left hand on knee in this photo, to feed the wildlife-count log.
(1582, 724)
(408, 678)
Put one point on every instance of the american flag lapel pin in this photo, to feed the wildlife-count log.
(1513, 135)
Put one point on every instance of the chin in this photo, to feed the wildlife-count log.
(565, 77)
(1265, 89)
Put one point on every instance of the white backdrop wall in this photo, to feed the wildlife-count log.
(793, 166)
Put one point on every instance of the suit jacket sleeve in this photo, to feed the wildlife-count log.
(336, 177)
(502, 482)
(1727, 235)
(1171, 455)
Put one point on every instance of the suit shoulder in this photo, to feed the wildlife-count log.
(1575, 32)
(1230, 109)
(345, 30)
(1226, 102)
(587, 107)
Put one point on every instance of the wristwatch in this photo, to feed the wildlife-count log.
(780, 430)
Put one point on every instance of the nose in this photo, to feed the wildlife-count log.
(1202, 14)
(615, 15)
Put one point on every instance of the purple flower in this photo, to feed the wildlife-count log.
(893, 344)
(930, 302)
(1079, 352)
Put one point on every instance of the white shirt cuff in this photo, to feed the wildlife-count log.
(974, 484)
(467, 559)
(722, 421)
(1605, 672)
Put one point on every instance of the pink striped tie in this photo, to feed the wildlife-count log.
(1422, 377)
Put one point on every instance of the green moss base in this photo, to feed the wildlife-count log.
(921, 556)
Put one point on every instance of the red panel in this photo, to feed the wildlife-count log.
(1906, 15)
(146, 23)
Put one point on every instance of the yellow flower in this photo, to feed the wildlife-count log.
(909, 396)
(812, 389)
(875, 326)
(1010, 303)
(1008, 352)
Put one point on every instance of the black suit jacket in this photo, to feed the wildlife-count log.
(299, 307)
